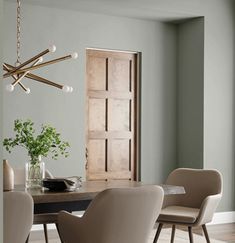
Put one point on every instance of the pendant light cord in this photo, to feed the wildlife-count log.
(18, 19)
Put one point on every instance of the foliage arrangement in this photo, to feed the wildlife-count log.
(47, 142)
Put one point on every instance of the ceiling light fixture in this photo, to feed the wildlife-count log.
(23, 70)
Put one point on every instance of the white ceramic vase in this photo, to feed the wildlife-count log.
(8, 176)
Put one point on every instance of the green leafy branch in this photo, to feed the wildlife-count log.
(48, 141)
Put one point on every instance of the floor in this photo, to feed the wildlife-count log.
(224, 232)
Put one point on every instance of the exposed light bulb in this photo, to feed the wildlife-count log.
(27, 91)
(74, 55)
(10, 87)
(66, 88)
(40, 59)
(70, 89)
(52, 48)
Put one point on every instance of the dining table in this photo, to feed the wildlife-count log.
(46, 201)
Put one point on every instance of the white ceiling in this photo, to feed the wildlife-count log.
(164, 10)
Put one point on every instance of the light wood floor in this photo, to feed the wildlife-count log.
(223, 232)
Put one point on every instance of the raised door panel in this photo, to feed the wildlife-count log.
(119, 74)
(119, 155)
(97, 113)
(96, 72)
(119, 115)
(97, 153)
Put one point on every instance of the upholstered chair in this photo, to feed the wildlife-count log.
(194, 208)
(44, 219)
(125, 215)
(17, 216)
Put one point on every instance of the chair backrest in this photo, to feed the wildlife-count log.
(198, 184)
(124, 215)
(18, 216)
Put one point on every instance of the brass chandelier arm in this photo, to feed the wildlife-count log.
(43, 80)
(15, 69)
(40, 65)
(24, 74)
(23, 87)
(39, 79)
(20, 70)
(15, 78)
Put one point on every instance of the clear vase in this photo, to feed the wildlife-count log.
(34, 173)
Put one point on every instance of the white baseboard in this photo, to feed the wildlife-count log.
(223, 218)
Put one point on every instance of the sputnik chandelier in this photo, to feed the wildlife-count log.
(23, 70)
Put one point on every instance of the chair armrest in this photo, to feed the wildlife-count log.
(207, 209)
(69, 226)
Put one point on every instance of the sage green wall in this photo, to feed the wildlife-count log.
(157, 41)
(1, 121)
(70, 31)
(219, 96)
(233, 169)
(190, 93)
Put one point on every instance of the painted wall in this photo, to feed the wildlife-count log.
(190, 93)
(156, 41)
(1, 127)
(219, 96)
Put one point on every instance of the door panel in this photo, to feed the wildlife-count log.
(97, 150)
(119, 155)
(119, 71)
(112, 115)
(119, 115)
(96, 71)
(96, 114)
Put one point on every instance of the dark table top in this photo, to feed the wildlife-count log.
(89, 190)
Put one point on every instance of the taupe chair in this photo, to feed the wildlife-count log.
(196, 207)
(44, 219)
(124, 215)
(17, 216)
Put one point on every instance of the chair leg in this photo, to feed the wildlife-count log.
(190, 234)
(173, 233)
(158, 232)
(45, 232)
(58, 232)
(27, 240)
(205, 233)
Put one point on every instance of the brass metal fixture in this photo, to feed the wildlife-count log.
(23, 70)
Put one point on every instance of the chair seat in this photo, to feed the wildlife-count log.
(48, 218)
(178, 214)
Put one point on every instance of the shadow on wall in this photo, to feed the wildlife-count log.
(190, 93)
(233, 183)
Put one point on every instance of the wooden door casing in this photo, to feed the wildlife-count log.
(111, 79)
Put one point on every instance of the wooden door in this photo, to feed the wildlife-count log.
(112, 118)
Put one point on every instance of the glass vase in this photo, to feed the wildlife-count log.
(34, 173)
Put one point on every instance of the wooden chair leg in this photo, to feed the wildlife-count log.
(158, 232)
(45, 232)
(190, 234)
(206, 233)
(27, 240)
(173, 233)
(58, 232)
